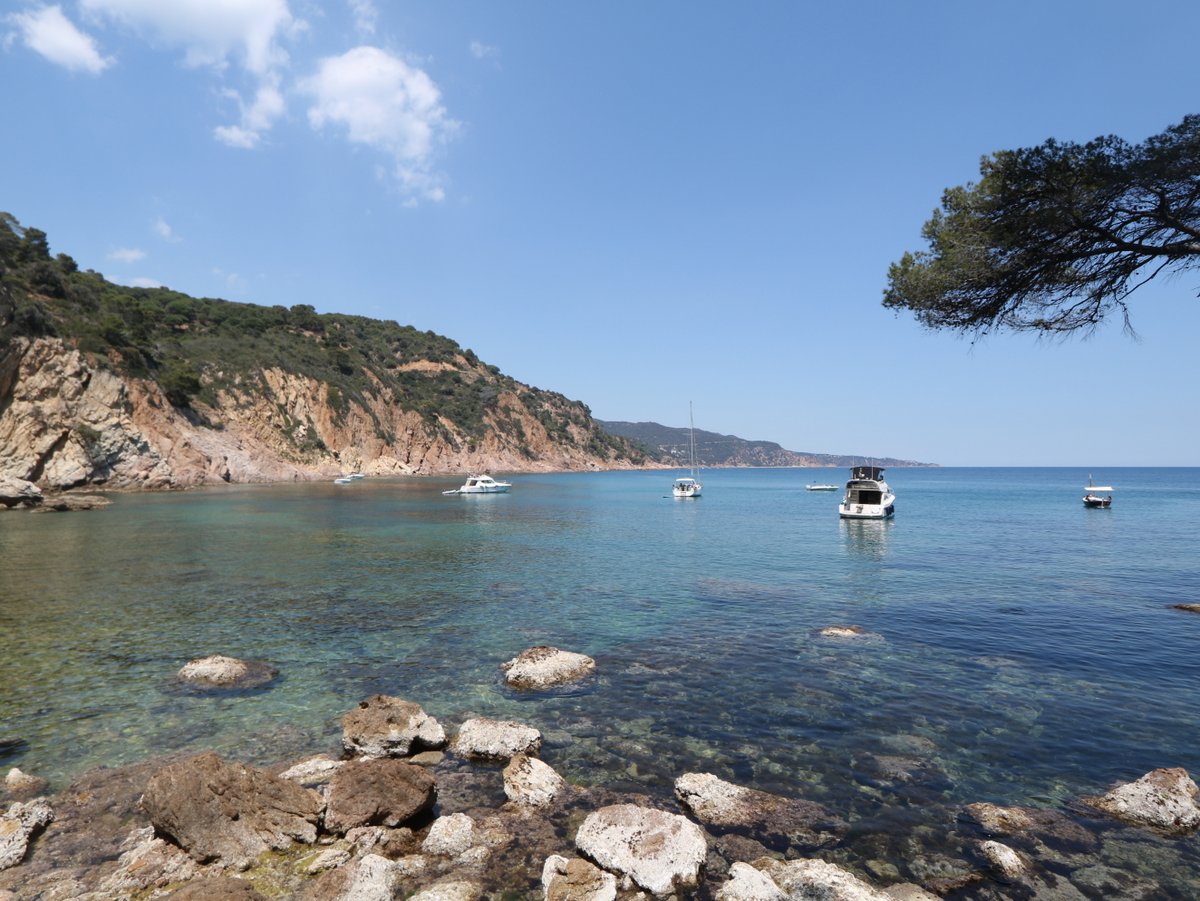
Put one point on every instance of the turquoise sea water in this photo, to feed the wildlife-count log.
(1022, 649)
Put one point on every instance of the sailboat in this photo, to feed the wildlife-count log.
(689, 486)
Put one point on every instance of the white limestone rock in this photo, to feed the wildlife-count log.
(660, 851)
(496, 739)
(1163, 799)
(529, 782)
(545, 667)
(18, 825)
(450, 835)
(1004, 859)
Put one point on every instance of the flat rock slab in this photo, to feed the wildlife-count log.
(660, 851)
(386, 726)
(496, 739)
(545, 667)
(770, 818)
(807, 879)
(377, 792)
(228, 811)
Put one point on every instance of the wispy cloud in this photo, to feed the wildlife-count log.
(127, 255)
(164, 231)
(480, 50)
(223, 35)
(365, 16)
(386, 104)
(47, 31)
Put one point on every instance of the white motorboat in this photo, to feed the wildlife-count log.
(343, 480)
(868, 496)
(1097, 495)
(480, 484)
(689, 486)
(821, 487)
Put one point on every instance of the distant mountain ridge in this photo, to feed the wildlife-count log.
(713, 449)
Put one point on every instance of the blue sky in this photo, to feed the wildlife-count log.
(635, 204)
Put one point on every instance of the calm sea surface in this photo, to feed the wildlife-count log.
(1022, 648)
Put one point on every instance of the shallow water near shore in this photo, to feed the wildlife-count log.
(1019, 648)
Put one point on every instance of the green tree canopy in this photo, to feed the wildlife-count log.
(1055, 238)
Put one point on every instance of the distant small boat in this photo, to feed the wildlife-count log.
(868, 496)
(343, 480)
(355, 476)
(480, 484)
(689, 486)
(821, 487)
(1097, 495)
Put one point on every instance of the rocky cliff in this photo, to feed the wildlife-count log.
(69, 419)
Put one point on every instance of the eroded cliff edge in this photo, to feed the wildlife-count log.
(70, 419)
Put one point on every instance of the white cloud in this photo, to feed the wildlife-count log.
(163, 230)
(365, 16)
(210, 31)
(388, 105)
(47, 31)
(480, 50)
(256, 117)
(127, 255)
(216, 34)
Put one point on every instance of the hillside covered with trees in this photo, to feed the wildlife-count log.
(336, 391)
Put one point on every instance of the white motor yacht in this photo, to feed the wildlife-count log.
(480, 484)
(868, 496)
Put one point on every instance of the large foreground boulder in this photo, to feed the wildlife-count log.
(660, 851)
(1162, 799)
(228, 811)
(386, 726)
(377, 792)
(545, 667)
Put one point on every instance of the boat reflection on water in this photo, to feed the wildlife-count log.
(866, 537)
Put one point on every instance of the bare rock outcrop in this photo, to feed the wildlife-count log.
(68, 421)
(16, 492)
(229, 812)
(377, 792)
(1162, 799)
(386, 726)
(661, 852)
(545, 667)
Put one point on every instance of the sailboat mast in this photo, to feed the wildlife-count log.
(692, 437)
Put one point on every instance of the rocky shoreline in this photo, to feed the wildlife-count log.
(408, 811)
